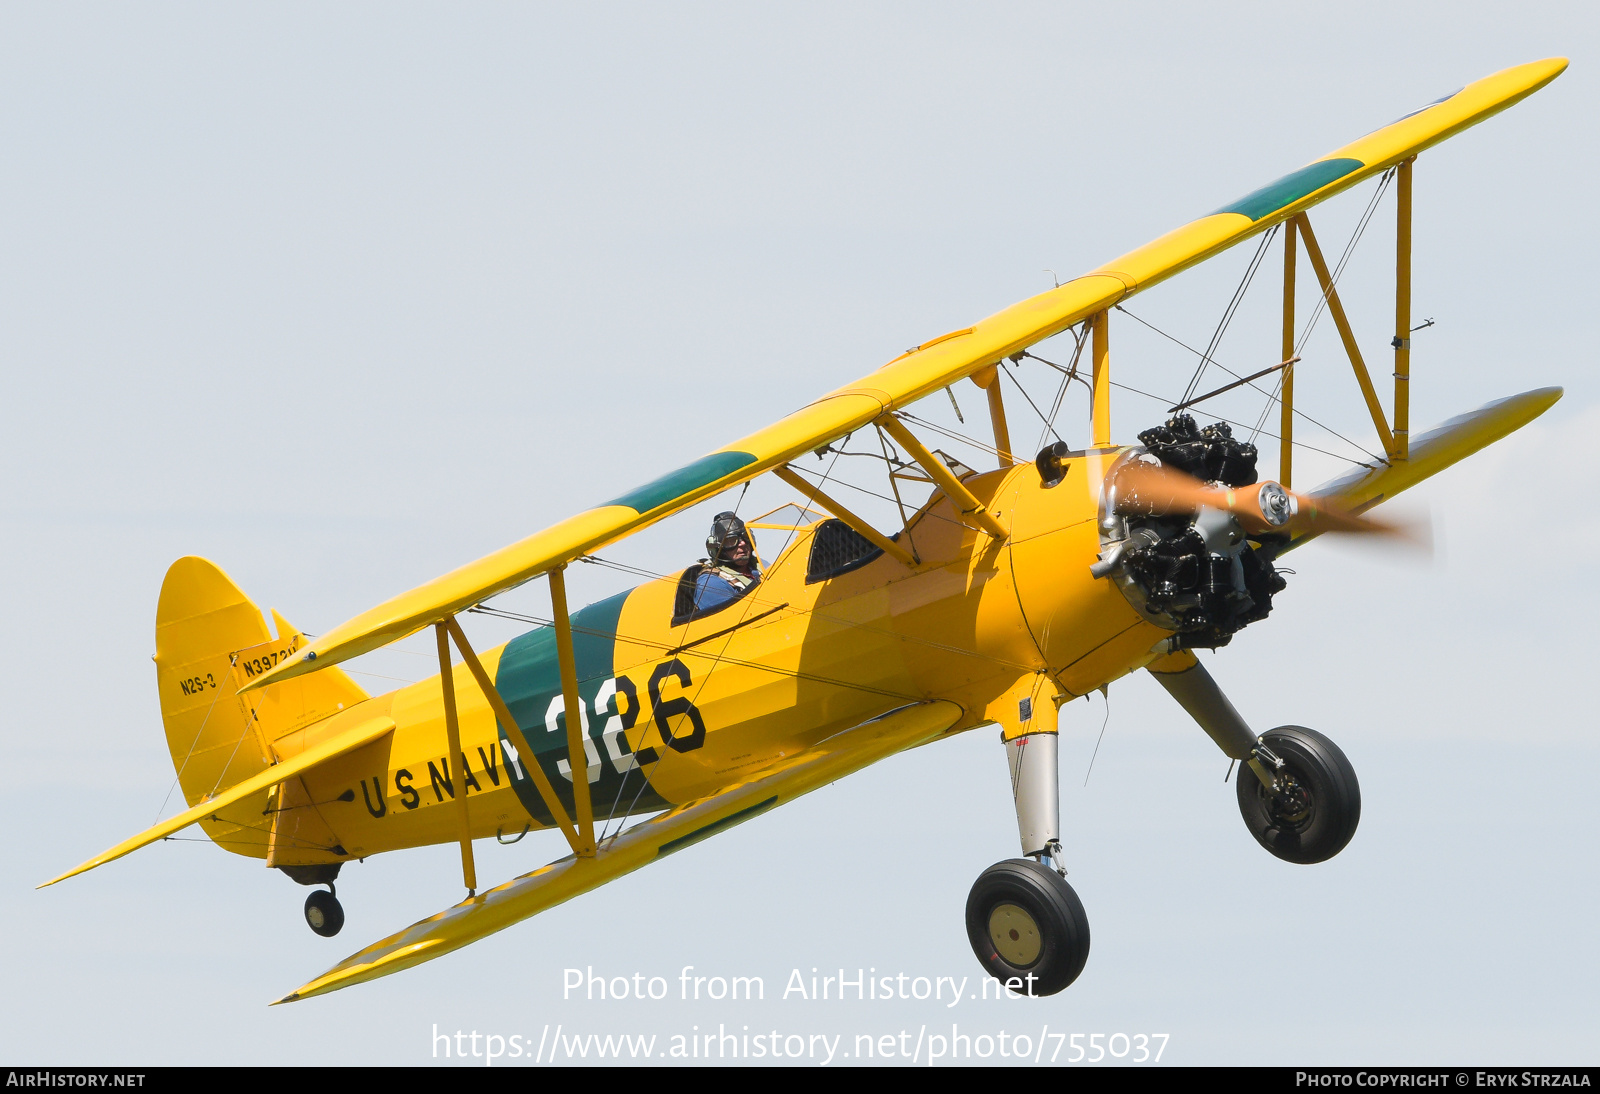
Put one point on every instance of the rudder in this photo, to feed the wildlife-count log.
(211, 639)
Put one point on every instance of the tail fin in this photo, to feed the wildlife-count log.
(210, 640)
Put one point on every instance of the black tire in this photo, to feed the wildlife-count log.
(324, 913)
(1319, 814)
(1048, 931)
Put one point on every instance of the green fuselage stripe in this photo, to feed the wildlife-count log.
(529, 679)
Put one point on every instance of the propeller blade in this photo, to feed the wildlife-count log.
(1156, 490)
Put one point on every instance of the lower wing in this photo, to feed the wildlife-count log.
(1437, 449)
(640, 845)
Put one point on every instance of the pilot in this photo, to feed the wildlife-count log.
(731, 569)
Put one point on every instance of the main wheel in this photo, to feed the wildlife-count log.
(324, 913)
(1316, 812)
(1025, 923)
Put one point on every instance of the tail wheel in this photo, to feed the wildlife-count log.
(324, 913)
(1315, 811)
(1027, 925)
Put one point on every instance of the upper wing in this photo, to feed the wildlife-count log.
(925, 369)
(640, 845)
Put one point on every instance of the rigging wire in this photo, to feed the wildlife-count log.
(1067, 376)
(1018, 385)
(891, 461)
(1105, 693)
(950, 433)
(261, 829)
(1298, 444)
(379, 676)
(188, 755)
(267, 831)
(927, 513)
(1228, 313)
(1322, 298)
(1259, 390)
(249, 724)
(1344, 258)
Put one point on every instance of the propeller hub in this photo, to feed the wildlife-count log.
(1277, 504)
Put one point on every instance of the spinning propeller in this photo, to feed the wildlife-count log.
(1153, 489)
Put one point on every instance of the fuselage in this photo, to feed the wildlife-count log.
(678, 710)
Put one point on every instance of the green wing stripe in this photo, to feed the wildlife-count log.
(714, 827)
(1291, 188)
(675, 484)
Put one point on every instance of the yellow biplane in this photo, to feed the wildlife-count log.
(1006, 593)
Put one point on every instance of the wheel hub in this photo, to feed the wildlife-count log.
(1291, 804)
(1015, 935)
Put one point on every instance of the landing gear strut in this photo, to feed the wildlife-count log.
(1297, 792)
(324, 913)
(1026, 925)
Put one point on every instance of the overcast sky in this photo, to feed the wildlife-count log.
(342, 296)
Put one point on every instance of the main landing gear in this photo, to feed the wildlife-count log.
(1026, 925)
(1297, 792)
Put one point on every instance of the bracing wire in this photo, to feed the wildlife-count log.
(1048, 424)
(1344, 259)
(1068, 375)
(883, 443)
(1228, 314)
(1253, 387)
(950, 433)
(1105, 693)
(1377, 460)
(1322, 305)
(190, 753)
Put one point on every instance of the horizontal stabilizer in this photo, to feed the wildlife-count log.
(640, 845)
(364, 733)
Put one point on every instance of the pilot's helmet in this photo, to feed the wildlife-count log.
(726, 531)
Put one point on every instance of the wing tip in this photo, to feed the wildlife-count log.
(74, 872)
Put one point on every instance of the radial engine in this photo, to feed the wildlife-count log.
(1197, 574)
